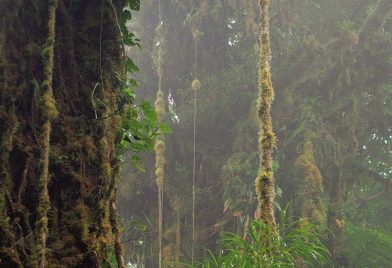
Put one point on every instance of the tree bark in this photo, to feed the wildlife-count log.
(55, 212)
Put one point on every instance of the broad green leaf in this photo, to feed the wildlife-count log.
(131, 66)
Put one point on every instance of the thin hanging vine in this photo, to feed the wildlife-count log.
(196, 84)
(160, 141)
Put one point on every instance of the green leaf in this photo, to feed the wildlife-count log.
(136, 162)
(126, 15)
(164, 128)
(129, 93)
(131, 66)
(137, 147)
(134, 4)
(133, 83)
(149, 113)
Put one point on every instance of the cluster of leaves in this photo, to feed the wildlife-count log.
(139, 128)
(129, 38)
(139, 122)
(299, 242)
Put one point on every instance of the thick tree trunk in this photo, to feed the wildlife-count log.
(71, 156)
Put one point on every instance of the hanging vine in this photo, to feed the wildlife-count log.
(49, 112)
(160, 141)
(196, 84)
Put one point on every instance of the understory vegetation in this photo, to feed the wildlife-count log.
(299, 244)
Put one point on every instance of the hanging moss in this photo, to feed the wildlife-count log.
(49, 109)
(197, 20)
(311, 204)
(160, 141)
(159, 105)
(196, 85)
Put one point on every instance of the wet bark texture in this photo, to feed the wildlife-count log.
(73, 130)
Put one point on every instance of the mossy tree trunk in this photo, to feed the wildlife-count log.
(58, 91)
(311, 185)
(265, 189)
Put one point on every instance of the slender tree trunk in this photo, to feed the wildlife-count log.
(265, 182)
(57, 155)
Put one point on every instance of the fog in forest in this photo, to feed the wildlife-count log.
(332, 115)
(196, 133)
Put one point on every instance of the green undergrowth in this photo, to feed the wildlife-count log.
(298, 244)
(368, 246)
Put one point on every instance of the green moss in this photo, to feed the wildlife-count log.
(83, 213)
(196, 85)
(159, 174)
(264, 181)
(159, 145)
(49, 106)
(49, 112)
(90, 147)
(312, 183)
(159, 161)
